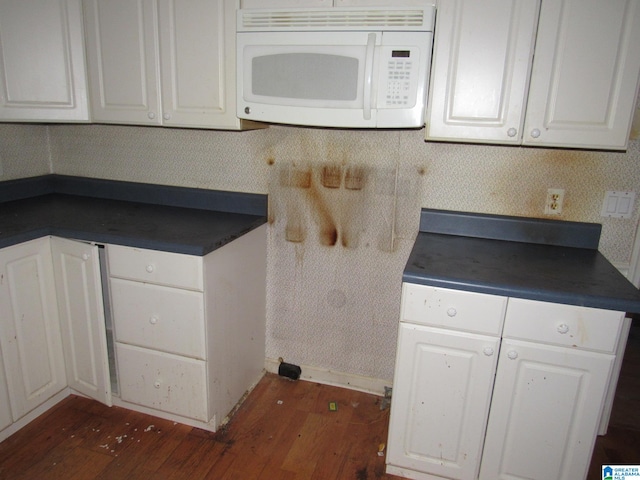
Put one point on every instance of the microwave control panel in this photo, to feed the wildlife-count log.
(399, 71)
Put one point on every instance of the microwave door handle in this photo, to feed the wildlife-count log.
(368, 75)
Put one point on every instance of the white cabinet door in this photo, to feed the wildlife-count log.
(442, 390)
(197, 63)
(122, 59)
(544, 413)
(80, 305)
(165, 62)
(5, 407)
(29, 327)
(480, 74)
(42, 65)
(585, 74)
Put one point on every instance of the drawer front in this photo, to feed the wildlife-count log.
(566, 325)
(162, 318)
(162, 268)
(456, 309)
(162, 381)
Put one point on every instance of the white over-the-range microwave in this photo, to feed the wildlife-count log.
(335, 67)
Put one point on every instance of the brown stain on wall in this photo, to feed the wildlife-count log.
(337, 199)
(297, 177)
(331, 176)
(327, 224)
(355, 178)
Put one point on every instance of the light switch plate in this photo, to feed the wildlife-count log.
(618, 204)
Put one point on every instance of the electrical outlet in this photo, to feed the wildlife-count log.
(555, 198)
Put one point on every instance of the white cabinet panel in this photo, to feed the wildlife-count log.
(443, 307)
(442, 390)
(544, 412)
(122, 61)
(157, 317)
(195, 65)
(5, 405)
(564, 325)
(153, 266)
(29, 327)
(480, 77)
(80, 305)
(162, 381)
(42, 62)
(585, 74)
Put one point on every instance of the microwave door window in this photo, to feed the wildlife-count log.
(307, 79)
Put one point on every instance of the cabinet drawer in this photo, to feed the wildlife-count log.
(567, 325)
(162, 318)
(162, 381)
(162, 268)
(457, 309)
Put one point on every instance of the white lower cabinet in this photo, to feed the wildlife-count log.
(545, 411)
(160, 330)
(539, 417)
(5, 407)
(80, 305)
(51, 328)
(30, 338)
(189, 330)
(448, 378)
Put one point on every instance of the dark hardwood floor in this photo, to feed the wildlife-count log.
(284, 430)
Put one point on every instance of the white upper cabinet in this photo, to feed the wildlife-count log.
(552, 73)
(166, 62)
(480, 75)
(42, 61)
(585, 74)
(122, 59)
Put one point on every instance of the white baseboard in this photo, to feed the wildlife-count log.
(338, 379)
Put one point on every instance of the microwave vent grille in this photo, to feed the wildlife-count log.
(330, 19)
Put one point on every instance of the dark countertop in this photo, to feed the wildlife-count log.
(152, 216)
(538, 261)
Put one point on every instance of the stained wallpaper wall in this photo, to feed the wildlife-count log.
(344, 209)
